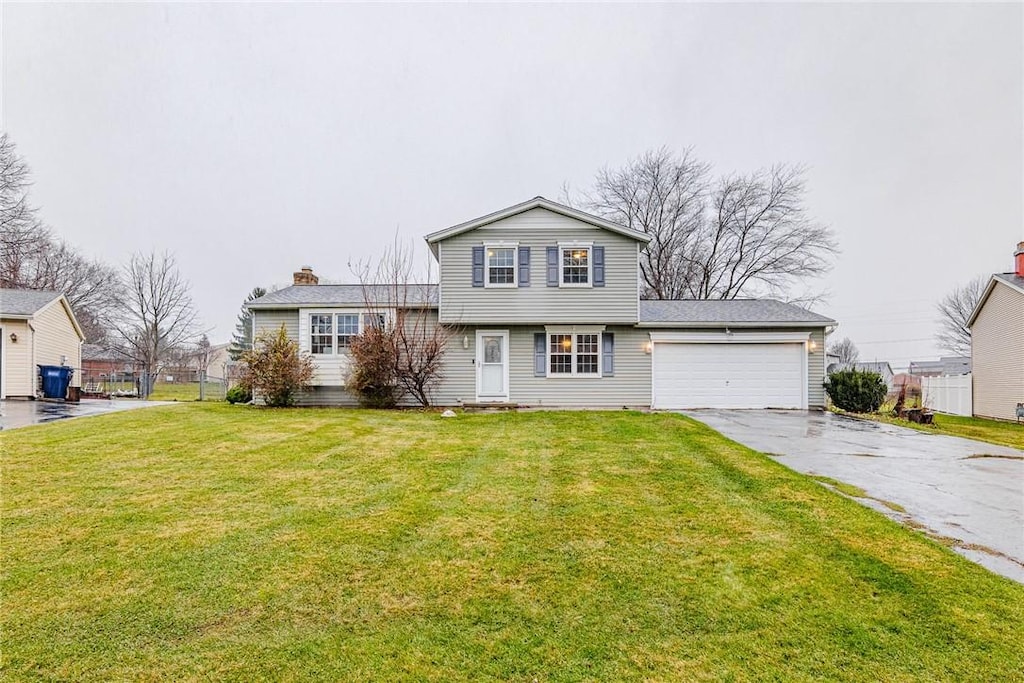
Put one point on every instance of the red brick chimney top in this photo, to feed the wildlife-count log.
(1018, 260)
(305, 276)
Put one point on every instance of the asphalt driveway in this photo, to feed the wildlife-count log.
(14, 414)
(956, 488)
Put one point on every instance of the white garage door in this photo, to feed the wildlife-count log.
(694, 375)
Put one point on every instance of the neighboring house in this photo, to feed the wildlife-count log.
(544, 306)
(220, 359)
(36, 328)
(997, 344)
(946, 365)
(104, 370)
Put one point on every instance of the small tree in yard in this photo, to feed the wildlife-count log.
(276, 370)
(401, 352)
(858, 391)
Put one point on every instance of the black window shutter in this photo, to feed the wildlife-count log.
(478, 266)
(599, 266)
(540, 360)
(552, 266)
(608, 354)
(524, 266)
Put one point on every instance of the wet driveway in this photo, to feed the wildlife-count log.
(14, 414)
(961, 489)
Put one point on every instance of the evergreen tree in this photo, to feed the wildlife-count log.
(241, 340)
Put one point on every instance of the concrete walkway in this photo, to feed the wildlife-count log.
(14, 414)
(961, 489)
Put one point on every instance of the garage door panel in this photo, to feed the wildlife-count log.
(736, 375)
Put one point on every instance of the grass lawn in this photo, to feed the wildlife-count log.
(237, 543)
(188, 391)
(990, 431)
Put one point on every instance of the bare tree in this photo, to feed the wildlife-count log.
(157, 316)
(746, 235)
(401, 312)
(32, 258)
(955, 310)
(846, 350)
(664, 196)
(21, 231)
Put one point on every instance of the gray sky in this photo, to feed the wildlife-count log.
(252, 139)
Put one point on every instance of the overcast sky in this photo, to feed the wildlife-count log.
(252, 139)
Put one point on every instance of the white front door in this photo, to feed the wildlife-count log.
(492, 365)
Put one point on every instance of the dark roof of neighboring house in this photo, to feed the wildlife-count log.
(100, 353)
(1009, 279)
(737, 312)
(25, 302)
(346, 295)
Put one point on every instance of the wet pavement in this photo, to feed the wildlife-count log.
(14, 414)
(969, 491)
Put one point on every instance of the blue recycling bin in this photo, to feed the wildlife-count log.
(56, 379)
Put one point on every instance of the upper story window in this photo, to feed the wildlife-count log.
(576, 265)
(500, 266)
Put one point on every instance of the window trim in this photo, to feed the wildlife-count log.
(562, 248)
(336, 351)
(514, 246)
(575, 332)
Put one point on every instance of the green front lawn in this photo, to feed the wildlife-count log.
(990, 431)
(217, 542)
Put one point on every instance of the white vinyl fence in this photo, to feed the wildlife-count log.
(949, 394)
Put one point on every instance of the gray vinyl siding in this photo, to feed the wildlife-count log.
(271, 321)
(997, 354)
(816, 372)
(630, 386)
(616, 302)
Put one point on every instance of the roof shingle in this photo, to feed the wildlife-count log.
(694, 312)
(24, 301)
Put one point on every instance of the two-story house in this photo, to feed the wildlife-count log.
(545, 301)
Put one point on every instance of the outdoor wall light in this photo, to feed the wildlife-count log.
(648, 347)
(465, 341)
(14, 337)
(812, 346)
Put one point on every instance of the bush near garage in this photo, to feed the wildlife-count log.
(858, 391)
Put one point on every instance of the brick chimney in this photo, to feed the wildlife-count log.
(1018, 260)
(305, 276)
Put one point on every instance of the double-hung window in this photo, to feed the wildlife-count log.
(500, 265)
(574, 354)
(332, 333)
(321, 339)
(575, 269)
(348, 327)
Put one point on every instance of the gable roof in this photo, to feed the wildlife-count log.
(535, 203)
(345, 295)
(1011, 280)
(734, 312)
(24, 304)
